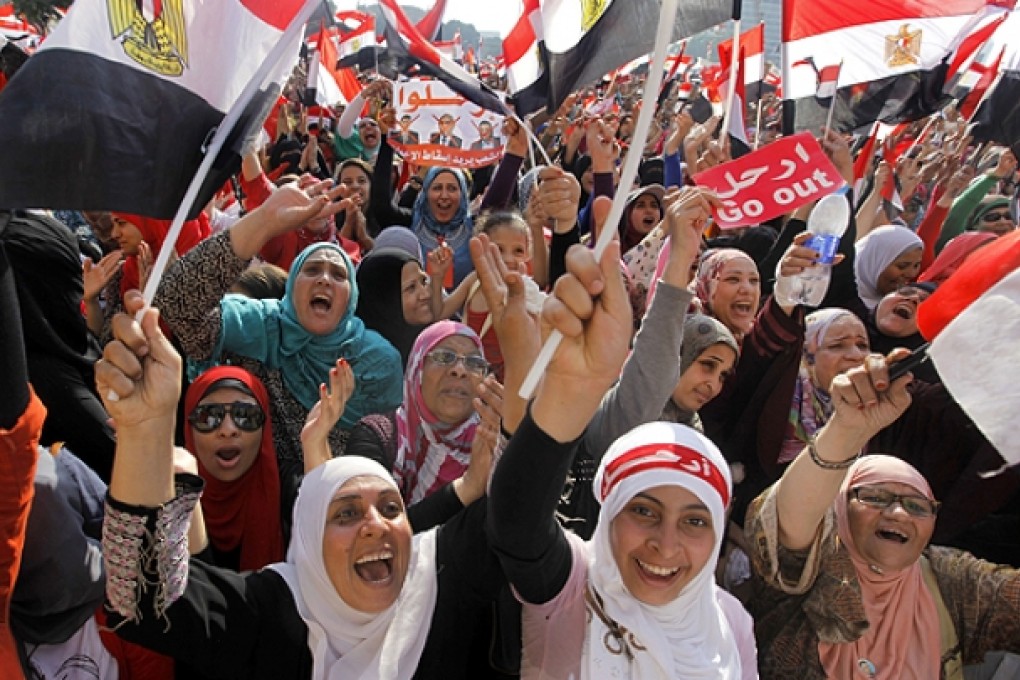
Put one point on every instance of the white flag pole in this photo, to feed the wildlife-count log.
(271, 62)
(667, 15)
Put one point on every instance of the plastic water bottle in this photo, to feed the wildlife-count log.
(827, 223)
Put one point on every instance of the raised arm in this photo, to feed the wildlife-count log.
(865, 403)
(590, 308)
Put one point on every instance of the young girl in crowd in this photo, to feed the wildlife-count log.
(510, 233)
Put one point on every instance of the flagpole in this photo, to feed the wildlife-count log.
(832, 102)
(734, 56)
(272, 61)
(761, 85)
(924, 131)
(664, 30)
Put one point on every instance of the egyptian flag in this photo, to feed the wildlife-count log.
(407, 43)
(968, 105)
(973, 322)
(527, 80)
(370, 53)
(357, 30)
(582, 45)
(998, 116)
(737, 101)
(752, 44)
(115, 109)
(896, 56)
(327, 84)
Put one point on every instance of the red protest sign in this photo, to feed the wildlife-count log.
(775, 179)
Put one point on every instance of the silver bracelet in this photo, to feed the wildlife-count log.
(826, 465)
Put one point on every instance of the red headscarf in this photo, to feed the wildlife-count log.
(154, 233)
(244, 512)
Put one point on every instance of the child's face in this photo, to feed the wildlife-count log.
(513, 246)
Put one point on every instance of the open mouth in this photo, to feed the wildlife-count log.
(321, 303)
(904, 311)
(376, 568)
(893, 535)
(654, 572)
(742, 308)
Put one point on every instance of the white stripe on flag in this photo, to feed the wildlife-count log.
(86, 28)
(863, 50)
(978, 357)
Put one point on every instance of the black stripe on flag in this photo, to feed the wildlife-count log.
(85, 133)
(896, 99)
(998, 117)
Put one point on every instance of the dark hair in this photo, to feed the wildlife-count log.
(364, 166)
(262, 282)
(489, 221)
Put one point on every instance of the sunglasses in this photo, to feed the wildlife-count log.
(207, 418)
(918, 506)
(473, 363)
(996, 216)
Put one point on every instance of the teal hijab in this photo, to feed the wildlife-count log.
(268, 331)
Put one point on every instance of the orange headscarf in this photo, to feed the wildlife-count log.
(902, 640)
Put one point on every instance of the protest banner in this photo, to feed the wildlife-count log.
(436, 126)
(771, 181)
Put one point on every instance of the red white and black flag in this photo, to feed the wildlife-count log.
(752, 45)
(103, 117)
(527, 78)
(585, 41)
(406, 42)
(896, 56)
(997, 118)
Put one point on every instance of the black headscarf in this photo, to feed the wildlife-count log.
(380, 303)
(48, 275)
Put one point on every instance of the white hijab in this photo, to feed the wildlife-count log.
(876, 251)
(347, 643)
(690, 637)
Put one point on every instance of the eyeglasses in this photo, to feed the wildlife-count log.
(913, 293)
(996, 216)
(472, 362)
(918, 506)
(208, 417)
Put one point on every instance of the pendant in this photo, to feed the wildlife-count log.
(867, 668)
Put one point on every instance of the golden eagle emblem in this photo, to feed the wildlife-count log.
(160, 45)
(904, 48)
(591, 11)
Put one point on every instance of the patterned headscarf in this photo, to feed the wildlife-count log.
(429, 453)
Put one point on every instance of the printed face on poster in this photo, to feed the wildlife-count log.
(436, 126)
(776, 179)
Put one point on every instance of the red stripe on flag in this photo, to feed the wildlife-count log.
(276, 13)
(805, 18)
(983, 269)
(970, 102)
(522, 37)
(971, 44)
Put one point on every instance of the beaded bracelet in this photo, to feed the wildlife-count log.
(826, 465)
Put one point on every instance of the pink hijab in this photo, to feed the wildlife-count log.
(902, 640)
(953, 255)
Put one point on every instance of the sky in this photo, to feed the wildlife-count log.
(486, 15)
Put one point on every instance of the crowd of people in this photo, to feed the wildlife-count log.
(309, 456)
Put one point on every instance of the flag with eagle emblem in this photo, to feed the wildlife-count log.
(115, 109)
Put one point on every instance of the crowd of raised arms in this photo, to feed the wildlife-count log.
(309, 456)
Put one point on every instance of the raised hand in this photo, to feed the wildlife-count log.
(864, 399)
(516, 330)
(558, 192)
(325, 414)
(139, 376)
(589, 306)
(687, 213)
(95, 275)
(488, 404)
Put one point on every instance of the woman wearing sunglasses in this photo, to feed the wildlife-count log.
(292, 344)
(230, 435)
(428, 441)
(853, 588)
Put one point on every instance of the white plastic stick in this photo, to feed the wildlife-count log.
(832, 104)
(216, 143)
(734, 64)
(667, 15)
